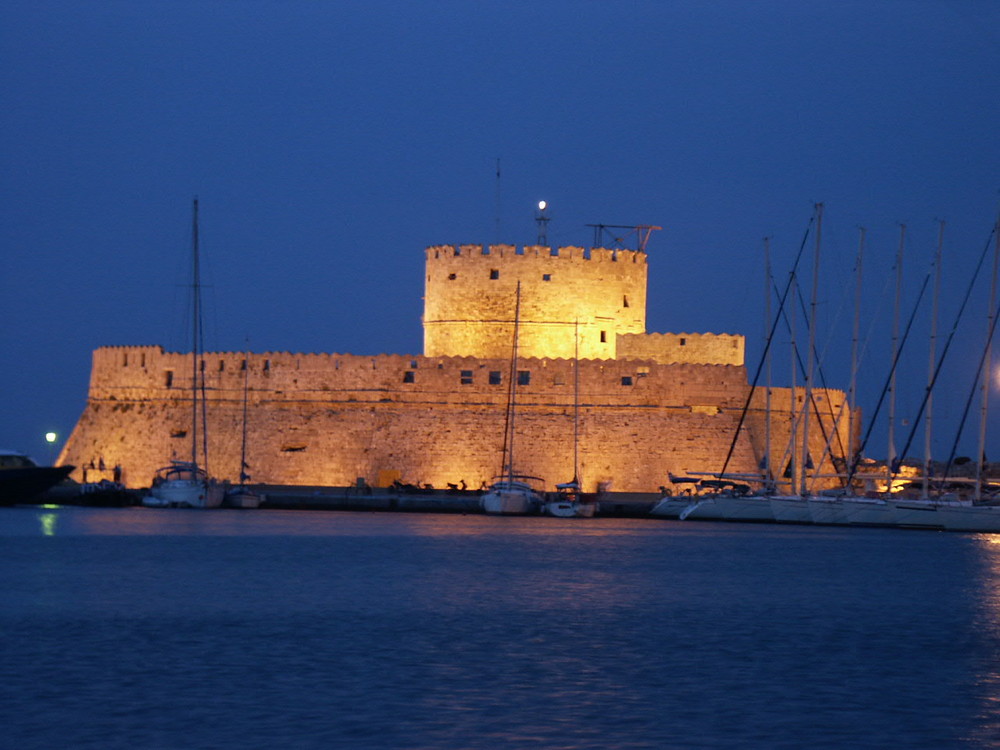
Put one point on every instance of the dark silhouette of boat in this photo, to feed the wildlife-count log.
(21, 479)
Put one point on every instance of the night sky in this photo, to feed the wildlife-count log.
(329, 143)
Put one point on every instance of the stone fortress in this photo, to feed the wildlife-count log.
(648, 404)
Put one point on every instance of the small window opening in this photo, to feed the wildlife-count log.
(243, 365)
(125, 359)
(626, 380)
(408, 376)
(625, 301)
(494, 273)
(684, 342)
(222, 365)
(267, 365)
(496, 377)
(546, 277)
(451, 277)
(169, 378)
(604, 337)
(524, 377)
(466, 377)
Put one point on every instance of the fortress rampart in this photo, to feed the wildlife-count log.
(328, 419)
(650, 404)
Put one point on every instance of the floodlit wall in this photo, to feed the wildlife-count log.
(567, 294)
(328, 419)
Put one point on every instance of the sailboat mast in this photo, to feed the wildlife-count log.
(768, 473)
(793, 464)
(246, 390)
(576, 404)
(932, 354)
(987, 366)
(513, 385)
(811, 357)
(852, 447)
(195, 338)
(891, 452)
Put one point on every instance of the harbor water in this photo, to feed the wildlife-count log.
(142, 628)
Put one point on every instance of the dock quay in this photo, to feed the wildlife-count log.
(364, 498)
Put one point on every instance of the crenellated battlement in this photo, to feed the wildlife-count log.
(483, 253)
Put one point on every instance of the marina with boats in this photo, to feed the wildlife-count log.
(743, 452)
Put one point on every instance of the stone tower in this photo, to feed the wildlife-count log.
(568, 292)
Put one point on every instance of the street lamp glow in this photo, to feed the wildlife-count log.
(542, 205)
(50, 437)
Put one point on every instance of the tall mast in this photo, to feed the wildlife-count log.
(987, 365)
(852, 447)
(793, 464)
(932, 354)
(576, 405)
(195, 338)
(768, 473)
(246, 389)
(891, 453)
(810, 357)
(513, 386)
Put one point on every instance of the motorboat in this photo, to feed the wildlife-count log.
(21, 479)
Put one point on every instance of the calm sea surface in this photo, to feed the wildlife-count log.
(141, 628)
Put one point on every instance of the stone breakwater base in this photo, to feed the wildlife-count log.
(289, 497)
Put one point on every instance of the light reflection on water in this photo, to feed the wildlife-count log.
(149, 628)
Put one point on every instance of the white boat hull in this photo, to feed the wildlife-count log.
(569, 509)
(671, 507)
(186, 493)
(983, 518)
(828, 511)
(790, 509)
(743, 508)
(516, 500)
(242, 499)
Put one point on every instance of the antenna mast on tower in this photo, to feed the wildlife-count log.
(641, 231)
(542, 219)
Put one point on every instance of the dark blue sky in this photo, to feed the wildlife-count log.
(330, 142)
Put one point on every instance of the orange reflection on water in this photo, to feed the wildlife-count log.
(987, 680)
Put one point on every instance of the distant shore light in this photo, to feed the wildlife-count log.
(542, 205)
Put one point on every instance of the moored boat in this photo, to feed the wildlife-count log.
(511, 496)
(183, 484)
(21, 479)
(186, 484)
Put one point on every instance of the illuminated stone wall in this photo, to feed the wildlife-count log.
(328, 419)
(471, 294)
(691, 348)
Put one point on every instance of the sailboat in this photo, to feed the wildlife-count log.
(569, 501)
(186, 484)
(510, 493)
(241, 496)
